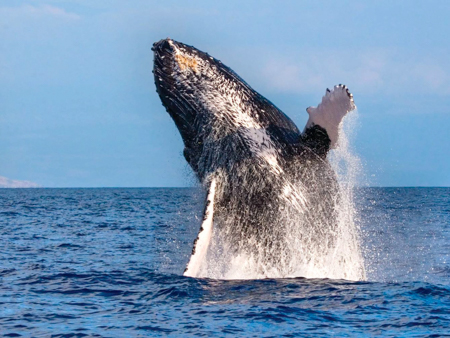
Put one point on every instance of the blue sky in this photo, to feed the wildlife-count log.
(78, 107)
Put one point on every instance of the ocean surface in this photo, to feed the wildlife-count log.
(109, 263)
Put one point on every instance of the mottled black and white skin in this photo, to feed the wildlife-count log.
(259, 170)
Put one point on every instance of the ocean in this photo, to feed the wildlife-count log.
(109, 263)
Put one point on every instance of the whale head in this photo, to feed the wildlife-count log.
(215, 111)
(208, 102)
(192, 86)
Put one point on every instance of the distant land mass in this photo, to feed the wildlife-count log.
(9, 183)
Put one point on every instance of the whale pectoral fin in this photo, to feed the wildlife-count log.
(326, 118)
(201, 243)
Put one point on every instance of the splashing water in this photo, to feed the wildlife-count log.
(313, 243)
(348, 168)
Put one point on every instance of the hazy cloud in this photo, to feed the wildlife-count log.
(9, 183)
(28, 11)
(371, 72)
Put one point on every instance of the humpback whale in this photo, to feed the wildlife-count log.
(263, 176)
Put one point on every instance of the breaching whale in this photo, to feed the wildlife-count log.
(260, 172)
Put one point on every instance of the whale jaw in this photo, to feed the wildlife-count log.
(171, 95)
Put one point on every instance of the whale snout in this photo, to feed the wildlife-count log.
(173, 49)
(164, 46)
(164, 51)
(182, 60)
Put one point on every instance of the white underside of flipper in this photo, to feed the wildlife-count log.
(329, 113)
(201, 244)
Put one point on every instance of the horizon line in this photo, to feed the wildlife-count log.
(199, 186)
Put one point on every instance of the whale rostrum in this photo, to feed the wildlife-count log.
(260, 172)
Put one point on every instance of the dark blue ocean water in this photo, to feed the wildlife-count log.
(108, 262)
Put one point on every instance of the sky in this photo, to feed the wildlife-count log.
(78, 106)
